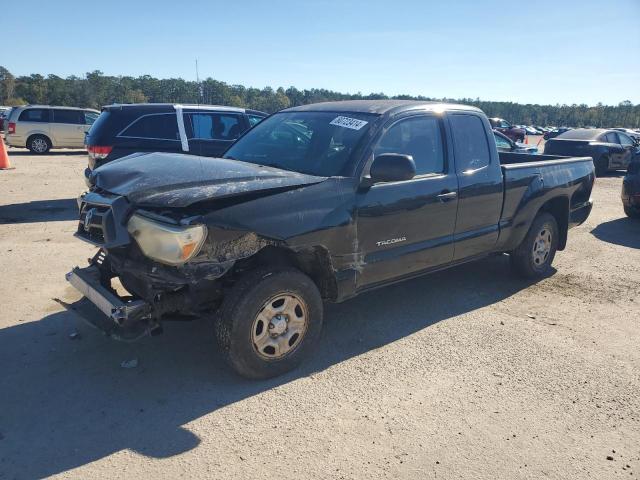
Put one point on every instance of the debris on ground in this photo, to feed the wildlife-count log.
(75, 336)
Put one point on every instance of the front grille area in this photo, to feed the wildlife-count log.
(103, 220)
(93, 223)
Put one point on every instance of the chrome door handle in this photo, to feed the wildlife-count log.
(445, 197)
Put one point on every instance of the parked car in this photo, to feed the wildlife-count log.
(610, 150)
(631, 190)
(317, 202)
(555, 132)
(505, 144)
(531, 130)
(514, 133)
(206, 130)
(43, 127)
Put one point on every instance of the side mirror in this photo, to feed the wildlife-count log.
(392, 167)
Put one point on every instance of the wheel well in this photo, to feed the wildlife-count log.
(559, 208)
(314, 262)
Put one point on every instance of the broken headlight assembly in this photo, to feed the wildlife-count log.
(168, 244)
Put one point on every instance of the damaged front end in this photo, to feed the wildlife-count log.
(155, 290)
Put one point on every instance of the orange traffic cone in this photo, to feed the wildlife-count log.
(526, 139)
(5, 164)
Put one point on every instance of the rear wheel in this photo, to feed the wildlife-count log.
(39, 144)
(602, 165)
(533, 257)
(632, 212)
(269, 322)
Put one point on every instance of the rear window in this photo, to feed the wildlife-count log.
(34, 115)
(470, 142)
(161, 126)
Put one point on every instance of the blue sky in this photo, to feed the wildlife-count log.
(562, 51)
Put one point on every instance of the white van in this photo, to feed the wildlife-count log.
(43, 127)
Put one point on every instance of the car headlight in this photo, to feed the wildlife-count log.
(169, 244)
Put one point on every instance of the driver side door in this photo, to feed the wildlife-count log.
(406, 227)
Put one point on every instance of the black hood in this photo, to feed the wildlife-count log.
(176, 180)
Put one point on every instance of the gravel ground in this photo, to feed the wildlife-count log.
(467, 373)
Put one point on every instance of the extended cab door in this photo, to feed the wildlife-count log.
(211, 133)
(480, 187)
(405, 227)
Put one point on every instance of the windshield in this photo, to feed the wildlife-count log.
(316, 143)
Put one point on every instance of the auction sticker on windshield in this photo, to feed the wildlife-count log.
(348, 122)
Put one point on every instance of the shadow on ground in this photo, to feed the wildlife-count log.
(53, 153)
(66, 403)
(623, 231)
(39, 211)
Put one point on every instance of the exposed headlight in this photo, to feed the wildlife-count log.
(169, 244)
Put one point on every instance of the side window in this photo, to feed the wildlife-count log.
(469, 142)
(34, 115)
(419, 137)
(163, 126)
(502, 143)
(624, 139)
(611, 138)
(90, 117)
(74, 117)
(254, 119)
(504, 124)
(215, 126)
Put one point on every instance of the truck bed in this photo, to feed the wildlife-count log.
(531, 181)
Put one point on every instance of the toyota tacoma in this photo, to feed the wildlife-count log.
(317, 203)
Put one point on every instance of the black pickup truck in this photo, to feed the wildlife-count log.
(316, 203)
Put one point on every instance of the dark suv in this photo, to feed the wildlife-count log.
(206, 130)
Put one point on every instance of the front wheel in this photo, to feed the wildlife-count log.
(269, 322)
(533, 257)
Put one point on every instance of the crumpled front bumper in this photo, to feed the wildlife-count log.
(127, 319)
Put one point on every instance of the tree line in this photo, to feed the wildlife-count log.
(96, 89)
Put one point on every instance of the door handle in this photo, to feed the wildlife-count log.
(446, 196)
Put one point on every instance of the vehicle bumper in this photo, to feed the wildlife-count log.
(580, 214)
(15, 140)
(125, 319)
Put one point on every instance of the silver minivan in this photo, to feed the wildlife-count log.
(42, 127)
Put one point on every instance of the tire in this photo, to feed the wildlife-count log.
(602, 165)
(632, 212)
(530, 263)
(39, 144)
(249, 340)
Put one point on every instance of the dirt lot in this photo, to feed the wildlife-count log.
(468, 373)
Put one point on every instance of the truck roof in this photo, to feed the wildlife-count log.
(380, 107)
